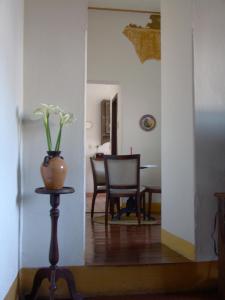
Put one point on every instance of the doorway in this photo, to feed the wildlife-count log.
(102, 130)
(112, 58)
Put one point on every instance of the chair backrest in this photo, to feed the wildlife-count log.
(98, 170)
(122, 171)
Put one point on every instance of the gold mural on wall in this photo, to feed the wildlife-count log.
(146, 40)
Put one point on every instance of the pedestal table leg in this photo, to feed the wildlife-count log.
(53, 273)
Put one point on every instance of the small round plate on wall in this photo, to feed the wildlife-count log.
(88, 124)
(147, 122)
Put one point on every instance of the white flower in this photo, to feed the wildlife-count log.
(45, 110)
(65, 118)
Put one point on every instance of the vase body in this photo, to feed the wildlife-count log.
(53, 170)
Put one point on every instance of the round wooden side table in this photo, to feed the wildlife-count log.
(53, 273)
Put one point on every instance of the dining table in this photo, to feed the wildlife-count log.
(148, 166)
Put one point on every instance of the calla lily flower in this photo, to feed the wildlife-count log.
(46, 109)
(44, 112)
(66, 118)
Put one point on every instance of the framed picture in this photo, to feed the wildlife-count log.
(147, 122)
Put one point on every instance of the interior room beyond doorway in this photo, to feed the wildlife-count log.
(112, 58)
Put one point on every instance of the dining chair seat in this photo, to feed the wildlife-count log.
(126, 191)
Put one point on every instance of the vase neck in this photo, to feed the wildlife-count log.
(53, 153)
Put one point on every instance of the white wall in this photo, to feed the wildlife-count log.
(95, 94)
(54, 72)
(209, 46)
(178, 172)
(112, 58)
(11, 40)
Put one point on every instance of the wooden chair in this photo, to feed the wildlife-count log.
(98, 171)
(150, 190)
(123, 180)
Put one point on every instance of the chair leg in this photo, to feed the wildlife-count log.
(106, 209)
(144, 205)
(138, 209)
(112, 204)
(118, 207)
(93, 204)
(149, 203)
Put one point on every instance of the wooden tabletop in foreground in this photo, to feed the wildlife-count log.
(220, 195)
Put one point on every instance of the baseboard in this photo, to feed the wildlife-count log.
(13, 292)
(156, 208)
(125, 280)
(178, 244)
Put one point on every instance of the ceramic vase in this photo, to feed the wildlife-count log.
(53, 170)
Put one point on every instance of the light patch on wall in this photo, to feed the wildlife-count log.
(146, 40)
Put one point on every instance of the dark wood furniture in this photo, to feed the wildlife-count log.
(105, 121)
(114, 139)
(150, 190)
(221, 243)
(117, 183)
(53, 273)
(98, 180)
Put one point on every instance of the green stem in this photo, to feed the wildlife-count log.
(57, 146)
(48, 134)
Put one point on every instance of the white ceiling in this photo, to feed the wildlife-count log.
(127, 4)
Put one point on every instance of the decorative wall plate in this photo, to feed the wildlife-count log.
(147, 122)
(88, 124)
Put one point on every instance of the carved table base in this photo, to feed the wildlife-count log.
(53, 275)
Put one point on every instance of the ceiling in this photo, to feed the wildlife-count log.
(153, 5)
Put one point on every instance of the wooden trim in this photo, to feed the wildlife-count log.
(122, 280)
(13, 292)
(178, 244)
(124, 10)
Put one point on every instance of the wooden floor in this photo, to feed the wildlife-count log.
(125, 244)
(188, 296)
